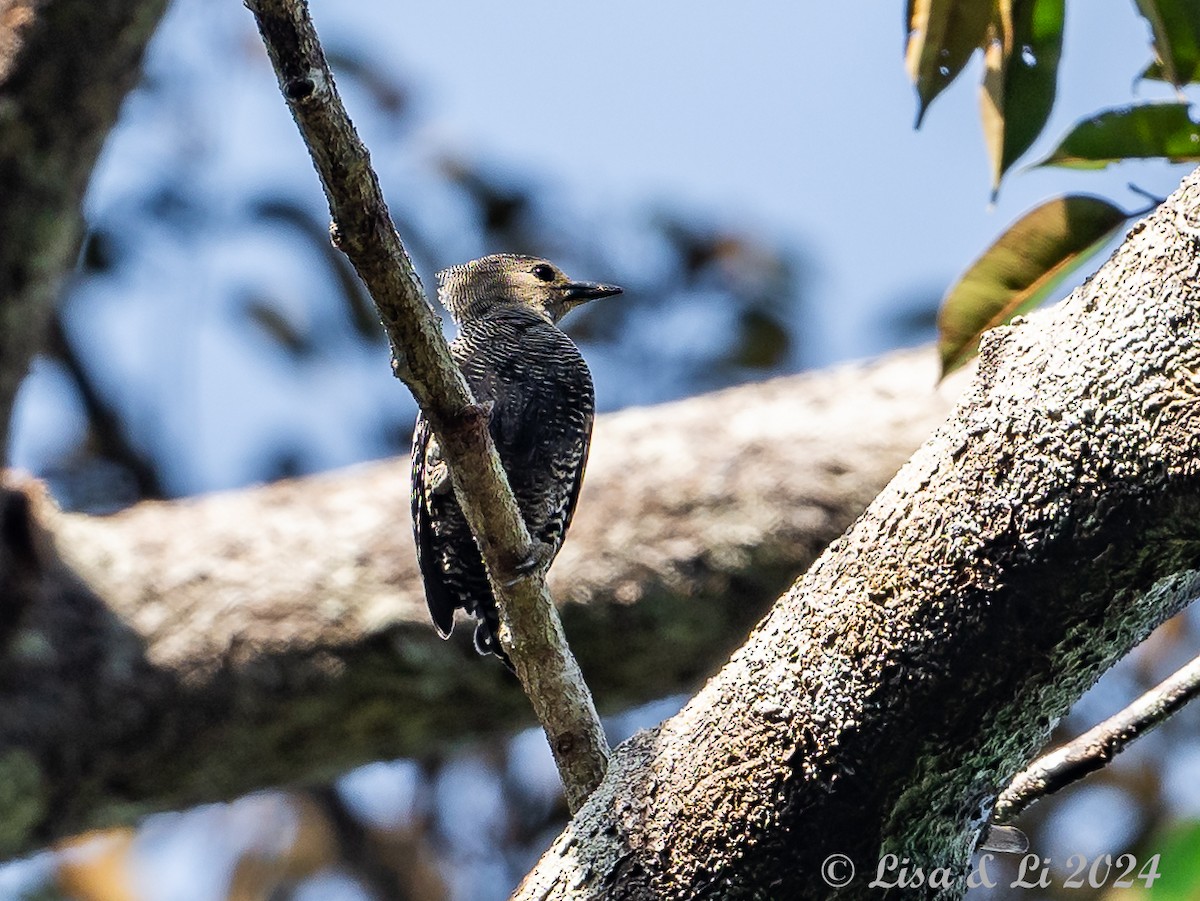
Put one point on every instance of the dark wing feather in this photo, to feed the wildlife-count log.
(577, 480)
(542, 411)
(541, 399)
(441, 604)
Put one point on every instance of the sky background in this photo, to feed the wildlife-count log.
(796, 119)
(789, 123)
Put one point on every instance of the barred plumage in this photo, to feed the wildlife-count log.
(542, 405)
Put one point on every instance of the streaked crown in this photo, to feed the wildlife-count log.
(472, 290)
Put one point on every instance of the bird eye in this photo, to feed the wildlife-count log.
(544, 272)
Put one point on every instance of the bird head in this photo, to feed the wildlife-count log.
(471, 290)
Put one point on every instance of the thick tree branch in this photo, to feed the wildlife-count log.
(1095, 749)
(363, 229)
(278, 634)
(1037, 537)
(65, 67)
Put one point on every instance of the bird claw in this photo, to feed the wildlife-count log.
(484, 409)
(538, 557)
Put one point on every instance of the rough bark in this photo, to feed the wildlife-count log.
(191, 651)
(65, 67)
(888, 697)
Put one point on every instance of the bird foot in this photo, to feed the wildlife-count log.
(538, 558)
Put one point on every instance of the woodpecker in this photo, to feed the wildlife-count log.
(538, 390)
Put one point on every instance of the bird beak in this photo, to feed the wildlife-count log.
(581, 292)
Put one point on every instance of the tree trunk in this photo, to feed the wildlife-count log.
(891, 693)
(65, 67)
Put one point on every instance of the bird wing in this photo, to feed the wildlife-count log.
(577, 479)
(541, 423)
(428, 480)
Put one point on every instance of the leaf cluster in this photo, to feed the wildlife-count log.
(1021, 43)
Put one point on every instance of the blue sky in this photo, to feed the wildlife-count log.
(792, 122)
(793, 118)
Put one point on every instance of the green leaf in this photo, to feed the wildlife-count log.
(1021, 269)
(1132, 132)
(762, 340)
(1176, 872)
(1176, 28)
(280, 328)
(1180, 849)
(1020, 79)
(942, 35)
(361, 308)
(1154, 72)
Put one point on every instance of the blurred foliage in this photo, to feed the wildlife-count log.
(350, 290)
(1021, 42)
(706, 304)
(1174, 852)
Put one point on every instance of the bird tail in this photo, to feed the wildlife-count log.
(486, 641)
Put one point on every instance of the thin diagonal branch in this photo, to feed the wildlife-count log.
(108, 430)
(1094, 749)
(363, 230)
